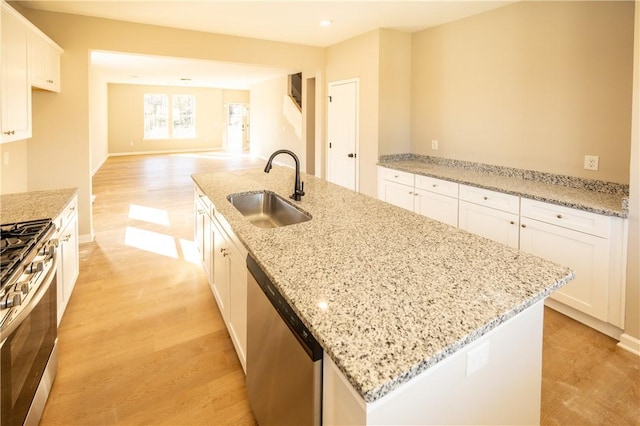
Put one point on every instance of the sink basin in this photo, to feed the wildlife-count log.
(266, 209)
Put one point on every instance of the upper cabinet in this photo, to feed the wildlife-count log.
(15, 97)
(29, 58)
(45, 63)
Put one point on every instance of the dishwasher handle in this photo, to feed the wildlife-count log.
(297, 327)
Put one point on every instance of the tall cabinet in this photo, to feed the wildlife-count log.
(29, 59)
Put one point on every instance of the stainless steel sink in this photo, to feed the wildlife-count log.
(266, 209)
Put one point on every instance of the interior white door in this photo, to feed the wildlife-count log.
(343, 134)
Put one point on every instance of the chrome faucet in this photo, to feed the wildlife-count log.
(298, 188)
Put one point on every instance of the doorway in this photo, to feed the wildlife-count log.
(237, 127)
(342, 129)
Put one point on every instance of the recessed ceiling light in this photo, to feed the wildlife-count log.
(326, 23)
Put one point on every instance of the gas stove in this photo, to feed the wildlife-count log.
(26, 251)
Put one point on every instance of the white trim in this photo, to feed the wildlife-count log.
(630, 343)
(598, 325)
(168, 151)
(86, 238)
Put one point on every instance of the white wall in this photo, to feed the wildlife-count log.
(274, 122)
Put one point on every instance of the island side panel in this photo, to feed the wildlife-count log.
(494, 380)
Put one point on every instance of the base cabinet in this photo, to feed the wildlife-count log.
(68, 264)
(223, 259)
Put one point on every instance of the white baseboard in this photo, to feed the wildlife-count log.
(630, 344)
(86, 238)
(601, 326)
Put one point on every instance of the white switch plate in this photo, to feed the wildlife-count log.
(591, 162)
(477, 358)
(434, 145)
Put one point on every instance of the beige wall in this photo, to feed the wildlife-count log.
(59, 153)
(359, 58)
(533, 85)
(126, 118)
(275, 122)
(13, 174)
(394, 93)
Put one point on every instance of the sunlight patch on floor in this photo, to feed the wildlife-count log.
(149, 214)
(150, 241)
(190, 251)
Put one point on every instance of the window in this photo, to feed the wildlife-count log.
(184, 116)
(157, 119)
(156, 116)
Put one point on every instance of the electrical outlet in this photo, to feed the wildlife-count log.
(434, 145)
(591, 162)
(477, 358)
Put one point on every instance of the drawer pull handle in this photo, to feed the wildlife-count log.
(396, 176)
(559, 216)
(485, 198)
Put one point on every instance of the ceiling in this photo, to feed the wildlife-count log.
(292, 21)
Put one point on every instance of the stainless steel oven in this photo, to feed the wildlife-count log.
(28, 326)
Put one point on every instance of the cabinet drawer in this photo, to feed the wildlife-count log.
(495, 200)
(397, 176)
(205, 203)
(439, 186)
(67, 214)
(578, 220)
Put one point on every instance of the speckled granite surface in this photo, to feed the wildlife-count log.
(388, 293)
(34, 205)
(605, 198)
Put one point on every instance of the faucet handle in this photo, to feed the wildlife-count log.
(301, 188)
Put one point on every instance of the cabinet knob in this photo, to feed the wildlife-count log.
(523, 225)
(434, 185)
(50, 81)
(485, 198)
(512, 222)
(396, 176)
(559, 216)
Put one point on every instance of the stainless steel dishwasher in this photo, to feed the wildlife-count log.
(284, 361)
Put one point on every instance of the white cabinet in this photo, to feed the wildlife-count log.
(586, 242)
(434, 198)
(437, 199)
(203, 234)
(45, 63)
(490, 214)
(68, 262)
(396, 187)
(15, 93)
(223, 259)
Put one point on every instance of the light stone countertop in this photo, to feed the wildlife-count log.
(401, 292)
(34, 205)
(609, 204)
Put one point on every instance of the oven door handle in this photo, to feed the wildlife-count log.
(32, 302)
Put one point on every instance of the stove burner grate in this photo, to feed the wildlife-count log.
(16, 242)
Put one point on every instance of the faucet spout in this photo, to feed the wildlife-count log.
(298, 186)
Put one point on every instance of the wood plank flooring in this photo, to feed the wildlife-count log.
(142, 341)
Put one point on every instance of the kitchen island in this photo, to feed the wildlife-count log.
(393, 297)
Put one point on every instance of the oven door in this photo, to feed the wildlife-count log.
(25, 349)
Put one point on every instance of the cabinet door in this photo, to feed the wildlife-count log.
(397, 194)
(68, 263)
(220, 273)
(587, 255)
(15, 95)
(238, 304)
(493, 224)
(437, 206)
(45, 64)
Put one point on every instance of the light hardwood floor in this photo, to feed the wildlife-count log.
(142, 341)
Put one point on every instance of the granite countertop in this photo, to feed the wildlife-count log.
(387, 293)
(34, 205)
(593, 196)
